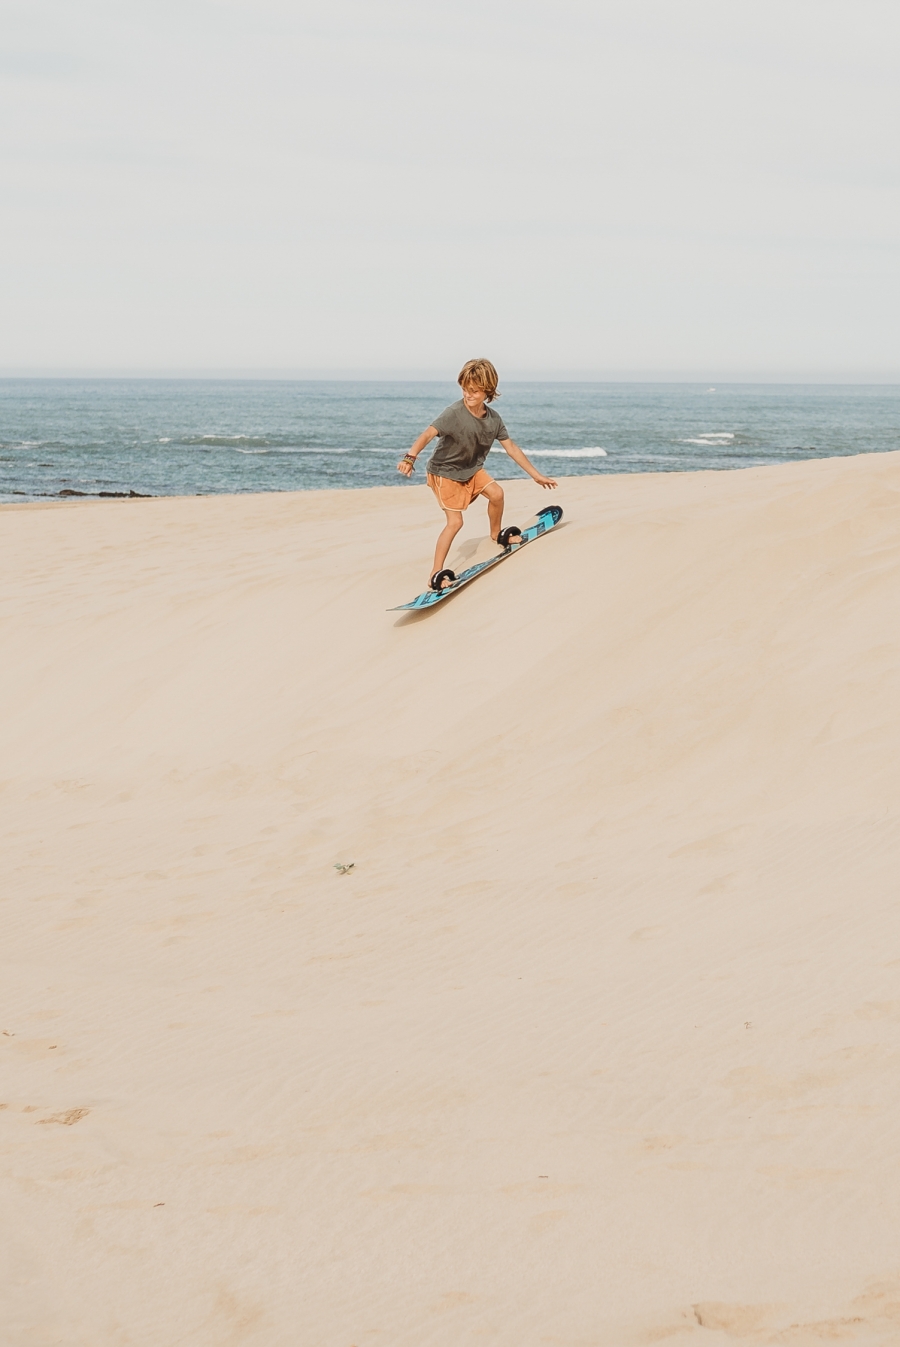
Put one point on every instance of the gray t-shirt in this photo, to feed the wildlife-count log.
(465, 441)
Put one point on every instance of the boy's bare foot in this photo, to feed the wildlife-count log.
(509, 537)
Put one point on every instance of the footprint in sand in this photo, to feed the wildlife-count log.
(67, 1119)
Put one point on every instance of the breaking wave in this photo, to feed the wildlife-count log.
(713, 439)
(596, 452)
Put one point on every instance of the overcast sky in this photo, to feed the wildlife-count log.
(703, 188)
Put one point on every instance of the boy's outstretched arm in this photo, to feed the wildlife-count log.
(406, 466)
(518, 456)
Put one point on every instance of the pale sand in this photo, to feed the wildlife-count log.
(599, 1042)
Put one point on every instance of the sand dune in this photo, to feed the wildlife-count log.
(598, 1043)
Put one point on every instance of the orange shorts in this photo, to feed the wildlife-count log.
(458, 495)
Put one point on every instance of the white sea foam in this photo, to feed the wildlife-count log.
(302, 449)
(595, 452)
(227, 441)
(709, 439)
(222, 439)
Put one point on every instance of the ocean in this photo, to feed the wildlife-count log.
(62, 438)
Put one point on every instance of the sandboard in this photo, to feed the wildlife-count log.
(547, 519)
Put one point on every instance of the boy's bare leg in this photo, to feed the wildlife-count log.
(445, 538)
(494, 496)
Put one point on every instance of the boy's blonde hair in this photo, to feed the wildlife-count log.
(482, 374)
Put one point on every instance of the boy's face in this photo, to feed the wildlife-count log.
(474, 397)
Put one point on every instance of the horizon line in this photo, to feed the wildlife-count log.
(380, 375)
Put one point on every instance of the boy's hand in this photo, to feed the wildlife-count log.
(517, 456)
(407, 464)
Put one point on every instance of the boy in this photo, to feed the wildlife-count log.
(455, 471)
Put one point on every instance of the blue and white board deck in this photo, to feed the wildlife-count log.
(547, 519)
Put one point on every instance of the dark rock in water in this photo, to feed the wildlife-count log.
(118, 495)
